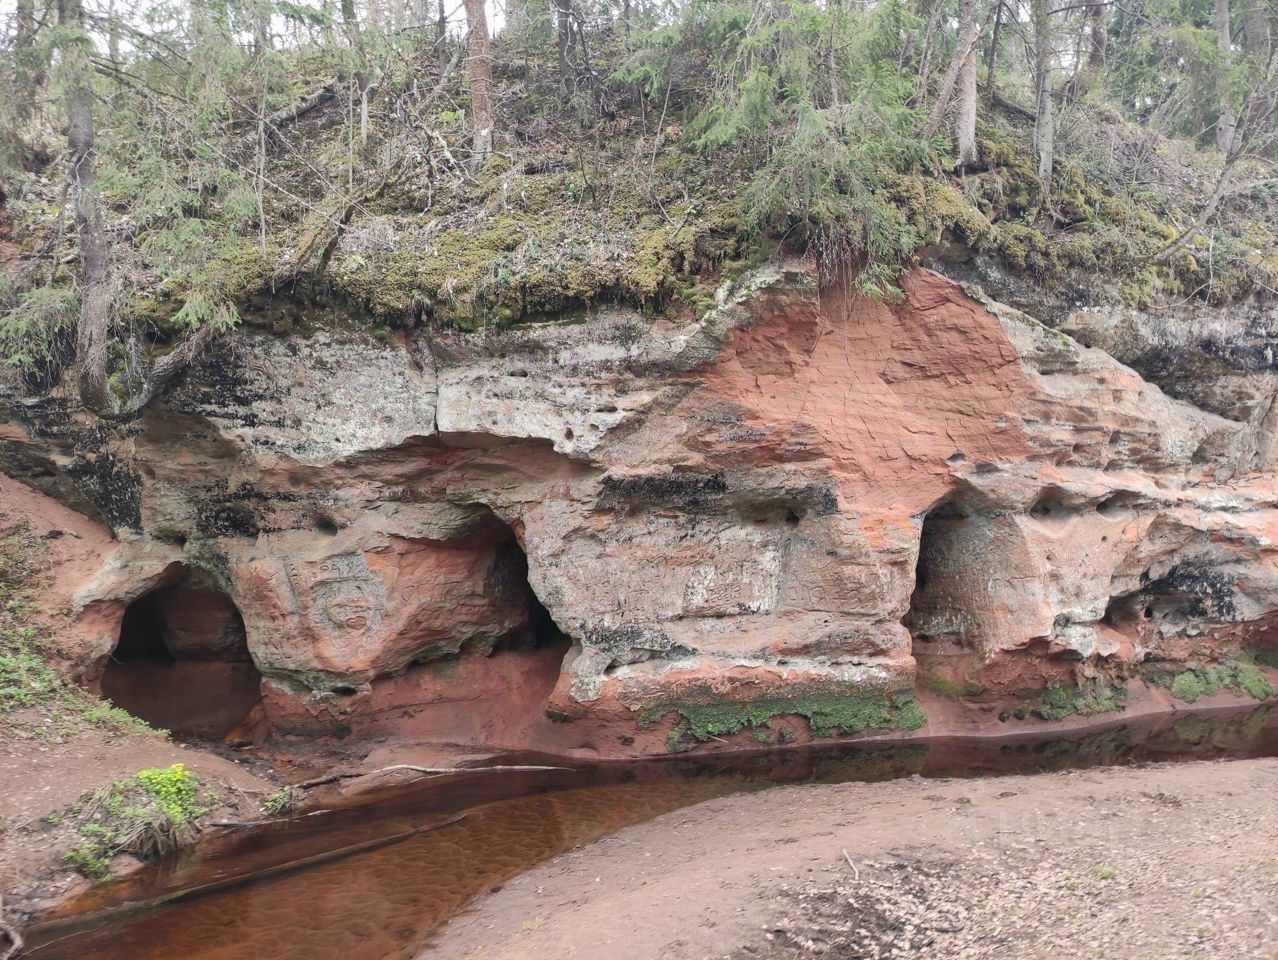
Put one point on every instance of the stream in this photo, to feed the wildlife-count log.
(375, 880)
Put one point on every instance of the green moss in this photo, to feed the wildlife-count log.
(1253, 683)
(828, 714)
(953, 689)
(1233, 674)
(1098, 696)
(1187, 686)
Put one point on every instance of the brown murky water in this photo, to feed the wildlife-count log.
(241, 899)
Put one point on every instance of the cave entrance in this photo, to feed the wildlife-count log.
(182, 662)
(935, 604)
(491, 665)
(947, 618)
(540, 631)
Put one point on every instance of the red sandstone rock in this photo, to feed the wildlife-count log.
(800, 491)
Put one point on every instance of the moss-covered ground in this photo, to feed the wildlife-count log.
(575, 208)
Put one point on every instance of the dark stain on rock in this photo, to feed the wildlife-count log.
(112, 486)
(685, 491)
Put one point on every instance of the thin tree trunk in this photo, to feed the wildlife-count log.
(963, 51)
(965, 126)
(1228, 120)
(991, 58)
(1044, 127)
(1098, 36)
(93, 328)
(28, 76)
(563, 40)
(479, 62)
(356, 39)
(1258, 35)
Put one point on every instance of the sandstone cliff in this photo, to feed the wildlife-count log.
(799, 513)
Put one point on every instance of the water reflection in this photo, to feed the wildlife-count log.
(383, 903)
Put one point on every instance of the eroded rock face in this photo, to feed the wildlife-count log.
(802, 503)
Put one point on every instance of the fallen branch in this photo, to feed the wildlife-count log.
(434, 771)
(295, 111)
(856, 874)
(14, 947)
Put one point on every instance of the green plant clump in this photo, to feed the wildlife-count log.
(280, 802)
(1098, 696)
(148, 815)
(1192, 685)
(828, 714)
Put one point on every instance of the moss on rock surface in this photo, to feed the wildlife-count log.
(827, 714)
(1099, 696)
(1240, 675)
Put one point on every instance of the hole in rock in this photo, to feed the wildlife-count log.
(182, 662)
(496, 688)
(540, 631)
(1117, 503)
(933, 604)
(1050, 505)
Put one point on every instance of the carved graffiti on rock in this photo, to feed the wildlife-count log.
(343, 598)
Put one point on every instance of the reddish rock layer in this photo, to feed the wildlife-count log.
(803, 502)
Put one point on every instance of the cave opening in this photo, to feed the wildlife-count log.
(182, 662)
(949, 615)
(931, 613)
(540, 632)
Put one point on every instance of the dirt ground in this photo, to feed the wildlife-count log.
(1164, 861)
(43, 774)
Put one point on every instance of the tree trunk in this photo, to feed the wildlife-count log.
(965, 127)
(1044, 128)
(28, 75)
(563, 40)
(93, 328)
(963, 52)
(479, 62)
(1098, 36)
(356, 39)
(1257, 33)
(1227, 121)
(991, 57)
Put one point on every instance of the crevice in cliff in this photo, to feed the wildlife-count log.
(950, 618)
(182, 662)
(933, 614)
(541, 631)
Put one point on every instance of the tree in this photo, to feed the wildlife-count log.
(479, 63)
(1044, 122)
(962, 68)
(1257, 31)
(137, 378)
(355, 38)
(1227, 121)
(965, 126)
(563, 41)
